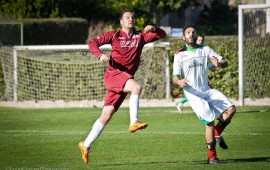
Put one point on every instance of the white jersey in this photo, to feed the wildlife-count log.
(192, 64)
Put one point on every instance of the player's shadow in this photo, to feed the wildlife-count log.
(144, 163)
(259, 159)
(241, 160)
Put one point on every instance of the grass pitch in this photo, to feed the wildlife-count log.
(41, 139)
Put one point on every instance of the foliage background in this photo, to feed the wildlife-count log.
(50, 31)
(257, 62)
(146, 12)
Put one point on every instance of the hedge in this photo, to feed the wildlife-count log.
(56, 31)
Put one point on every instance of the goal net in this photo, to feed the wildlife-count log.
(254, 55)
(72, 73)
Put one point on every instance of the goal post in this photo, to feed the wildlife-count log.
(72, 73)
(258, 22)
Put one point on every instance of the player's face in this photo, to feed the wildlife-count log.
(190, 36)
(200, 40)
(127, 20)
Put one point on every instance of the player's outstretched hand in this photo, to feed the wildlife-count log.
(221, 63)
(182, 82)
(214, 61)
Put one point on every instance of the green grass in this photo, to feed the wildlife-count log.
(48, 138)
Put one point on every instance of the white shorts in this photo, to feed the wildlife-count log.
(209, 104)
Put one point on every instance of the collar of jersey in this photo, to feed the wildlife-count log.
(192, 49)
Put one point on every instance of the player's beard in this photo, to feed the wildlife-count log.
(191, 41)
(131, 26)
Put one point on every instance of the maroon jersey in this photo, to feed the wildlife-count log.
(126, 51)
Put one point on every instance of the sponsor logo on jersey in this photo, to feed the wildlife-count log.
(195, 63)
(129, 43)
(135, 36)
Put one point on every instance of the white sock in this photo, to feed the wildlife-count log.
(94, 133)
(133, 108)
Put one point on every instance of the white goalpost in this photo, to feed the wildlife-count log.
(253, 23)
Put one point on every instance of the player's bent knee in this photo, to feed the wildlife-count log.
(231, 110)
(133, 87)
(105, 118)
(137, 89)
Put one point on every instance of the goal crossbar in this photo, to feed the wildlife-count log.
(78, 47)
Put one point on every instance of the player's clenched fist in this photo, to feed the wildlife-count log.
(149, 28)
(104, 58)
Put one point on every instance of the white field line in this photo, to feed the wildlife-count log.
(52, 133)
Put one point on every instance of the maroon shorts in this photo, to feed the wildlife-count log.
(115, 81)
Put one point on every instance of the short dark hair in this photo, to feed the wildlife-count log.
(123, 11)
(200, 35)
(188, 26)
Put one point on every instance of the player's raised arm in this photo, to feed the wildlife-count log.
(152, 33)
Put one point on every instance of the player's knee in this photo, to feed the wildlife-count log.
(105, 118)
(224, 124)
(231, 110)
(137, 89)
(106, 114)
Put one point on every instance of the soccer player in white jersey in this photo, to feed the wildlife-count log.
(180, 105)
(190, 71)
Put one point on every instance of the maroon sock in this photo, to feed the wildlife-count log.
(218, 130)
(212, 154)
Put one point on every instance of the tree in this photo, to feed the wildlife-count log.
(218, 19)
(22, 9)
(147, 11)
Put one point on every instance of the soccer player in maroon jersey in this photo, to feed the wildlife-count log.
(127, 45)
